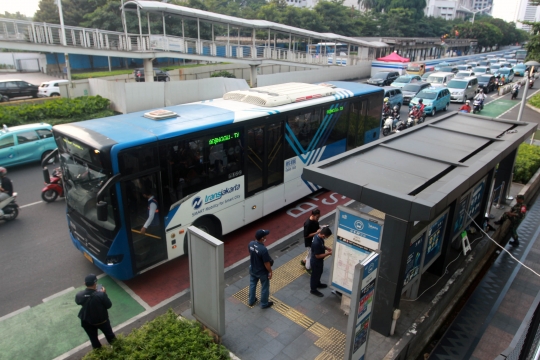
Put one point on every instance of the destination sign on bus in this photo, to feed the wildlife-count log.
(223, 138)
(334, 110)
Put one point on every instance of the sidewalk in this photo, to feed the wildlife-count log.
(491, 317)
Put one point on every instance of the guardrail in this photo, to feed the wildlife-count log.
(51, 34)
(505, 89)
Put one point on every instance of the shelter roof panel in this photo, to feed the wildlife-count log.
(416, 174)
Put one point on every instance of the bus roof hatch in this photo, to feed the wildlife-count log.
(276, 95)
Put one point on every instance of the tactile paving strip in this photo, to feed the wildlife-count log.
(331, 341)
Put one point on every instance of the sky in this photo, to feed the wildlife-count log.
(504, 9)
(25, 7)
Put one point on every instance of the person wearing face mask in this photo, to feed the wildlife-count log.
(260, 269)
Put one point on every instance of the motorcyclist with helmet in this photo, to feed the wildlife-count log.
(481, 97)
(6, 187)
(422, 106)
(386, 108)
(466, 108)
(417, 112)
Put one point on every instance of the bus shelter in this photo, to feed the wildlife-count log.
(430, 182)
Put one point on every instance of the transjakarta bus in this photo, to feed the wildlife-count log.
(217, 165)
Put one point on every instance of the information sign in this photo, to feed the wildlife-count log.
(476, 199)
(346, 257)
(461, 216)
(365, 280)
(359, 229)
(434, 238)
(412, 270)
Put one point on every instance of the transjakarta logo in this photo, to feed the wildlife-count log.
(358, 225)
(197, 202)
(372, 227)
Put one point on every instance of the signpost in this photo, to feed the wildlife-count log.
(363, 292)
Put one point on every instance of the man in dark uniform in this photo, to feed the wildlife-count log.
(93, 313)
(318, 253)
(311, 228)
(515, 215)
(260, 269)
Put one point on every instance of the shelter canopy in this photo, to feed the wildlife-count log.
(393, 57)
(416, 174)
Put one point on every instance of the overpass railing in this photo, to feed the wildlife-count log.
(51, 34)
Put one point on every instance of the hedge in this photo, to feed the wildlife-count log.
(527, 162)
(165, 337)
(223, 73)
(70, 109)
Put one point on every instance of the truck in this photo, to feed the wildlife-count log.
(418, 68)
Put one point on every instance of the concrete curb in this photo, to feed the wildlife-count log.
(411, 344)
(534, 108)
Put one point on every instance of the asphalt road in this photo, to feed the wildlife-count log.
(37, 256)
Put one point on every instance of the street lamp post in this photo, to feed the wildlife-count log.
(476, 11)
(64, 42)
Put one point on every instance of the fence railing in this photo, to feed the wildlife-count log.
(51, 34)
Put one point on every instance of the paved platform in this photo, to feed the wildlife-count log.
(491, 317)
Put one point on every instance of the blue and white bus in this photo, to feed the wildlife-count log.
(217, 164)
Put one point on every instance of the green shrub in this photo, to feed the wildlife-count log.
(535, 101)
(223, 73)
(527, 163)
(165, 337)
(62, 108)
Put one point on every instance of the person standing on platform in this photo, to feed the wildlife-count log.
(311, 228)
(260, 269)
(318, 253)
(515, 215)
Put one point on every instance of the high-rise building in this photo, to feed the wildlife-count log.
(527, 12)
(483, 4)
(449, 9)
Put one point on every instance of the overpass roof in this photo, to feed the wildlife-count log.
(415, 174)
(186, 12)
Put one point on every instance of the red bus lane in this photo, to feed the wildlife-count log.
(164, 281)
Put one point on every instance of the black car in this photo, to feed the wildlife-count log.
(15, 88)
(383, 78)
(159, 75)
(452, 69)
(410, 90)
(487, 82)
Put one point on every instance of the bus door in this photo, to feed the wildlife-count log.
(264, 170)
(143, 198)
(357, 116)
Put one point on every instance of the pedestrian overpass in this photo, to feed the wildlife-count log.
(252, 42)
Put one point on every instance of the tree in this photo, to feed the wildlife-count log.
(47, 12)
(16, 16)
(486, 34)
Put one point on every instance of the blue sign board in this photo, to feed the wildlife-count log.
(434, 238)
(476, 198)
(414, 259)
(365, 278)
(359, 230)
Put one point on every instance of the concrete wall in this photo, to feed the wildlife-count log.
(127, 97)
(319, 75)
(10, 59)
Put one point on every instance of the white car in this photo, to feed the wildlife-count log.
(50, 88)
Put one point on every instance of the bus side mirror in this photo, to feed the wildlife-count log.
(102, 211)
(46, 176)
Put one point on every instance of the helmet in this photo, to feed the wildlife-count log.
(467, 102)
(396, 108)
(421, 101)
(386, 99)
(3, 171)
(481, 91)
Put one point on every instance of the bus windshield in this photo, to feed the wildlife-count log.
(84, 176)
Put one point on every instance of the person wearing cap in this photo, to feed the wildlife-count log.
(311, 228)
(260, 269)
(318, 252)
(93, 314)
(515, 215)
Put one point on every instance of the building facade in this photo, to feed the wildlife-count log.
(483, 4)
(449, 9)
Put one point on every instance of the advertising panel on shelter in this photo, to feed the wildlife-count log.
(434, 239)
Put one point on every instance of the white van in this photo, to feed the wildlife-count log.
(440, 79)
(463, 89)
(50, 88)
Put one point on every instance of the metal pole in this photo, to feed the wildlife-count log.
(140, 26)
(524, 96)
(148, 20)
(125, 25)
(227, 53)
(61, 13)
(163, 17)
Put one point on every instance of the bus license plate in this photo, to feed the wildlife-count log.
(88, 257)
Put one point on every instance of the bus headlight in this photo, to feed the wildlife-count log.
(111, 260)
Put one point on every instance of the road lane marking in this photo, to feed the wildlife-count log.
(518, 103)
(58, 294)
(31, 204)
(17, 312)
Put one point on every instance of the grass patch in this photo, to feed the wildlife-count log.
(165, 337)
(97, 74)
(535, 101)
(527, 162)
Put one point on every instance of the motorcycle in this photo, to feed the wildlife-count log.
(392, 124)
(54, 188)
(477, 106)
(9, 209)
(415, 119)
(515, 91)
(531, 83)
